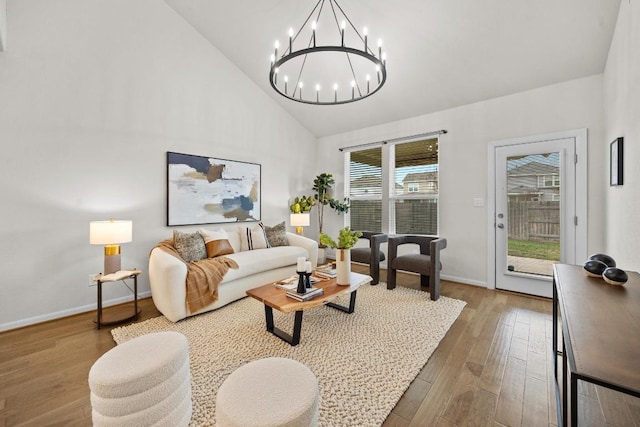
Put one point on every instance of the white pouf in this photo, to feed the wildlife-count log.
(269, 392)
(144, 381)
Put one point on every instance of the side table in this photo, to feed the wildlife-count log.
(123, 312)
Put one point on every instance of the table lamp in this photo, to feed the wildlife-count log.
(299, 220)
(110, 233)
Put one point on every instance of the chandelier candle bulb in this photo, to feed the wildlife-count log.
(314, 25)
(277, 45)
(286, 80)
(290, 39)
(300, 86)
(353, 89)
(343, 24)
(379, 48)
(378, 73)
(368, 80)
(364, 31)
(317, 93)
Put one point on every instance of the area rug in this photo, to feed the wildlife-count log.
(364, 361)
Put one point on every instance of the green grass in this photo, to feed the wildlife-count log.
(536, 250)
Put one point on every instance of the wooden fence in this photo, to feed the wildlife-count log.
(534, 221)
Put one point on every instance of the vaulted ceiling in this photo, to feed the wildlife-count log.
(441, 53)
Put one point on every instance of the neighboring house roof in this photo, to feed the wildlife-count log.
(421, 176)
(534, 168)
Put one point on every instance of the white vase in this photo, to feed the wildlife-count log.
(343, 266)
(322, 256)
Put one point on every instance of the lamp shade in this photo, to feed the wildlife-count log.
(110, 232)
(299, 220)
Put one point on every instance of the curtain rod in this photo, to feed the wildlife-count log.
(386, 141)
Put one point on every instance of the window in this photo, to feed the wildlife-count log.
(549, 181)
(365, 189)
(393, 188)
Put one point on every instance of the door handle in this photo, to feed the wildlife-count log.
(500, 225)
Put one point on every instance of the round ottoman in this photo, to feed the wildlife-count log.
(144, 381)
(268, 392)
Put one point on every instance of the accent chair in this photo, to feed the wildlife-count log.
(426, 263)
(371, 255)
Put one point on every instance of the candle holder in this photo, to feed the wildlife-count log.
(302, 288)
(307, 281)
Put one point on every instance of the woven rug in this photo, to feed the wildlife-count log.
(364, 361)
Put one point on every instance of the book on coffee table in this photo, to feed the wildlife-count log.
(329, 273)
(311, 293)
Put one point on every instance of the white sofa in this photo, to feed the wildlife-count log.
(167, 274)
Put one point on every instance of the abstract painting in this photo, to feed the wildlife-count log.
(206, 190)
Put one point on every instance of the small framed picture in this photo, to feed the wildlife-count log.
(615, 157)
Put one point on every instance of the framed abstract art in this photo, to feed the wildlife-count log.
(207, 190)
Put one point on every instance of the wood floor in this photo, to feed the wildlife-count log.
(493, 368)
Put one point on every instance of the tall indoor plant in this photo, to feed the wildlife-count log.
(347, 238)
(322, 186)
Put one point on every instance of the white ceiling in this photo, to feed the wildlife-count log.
(441, 53)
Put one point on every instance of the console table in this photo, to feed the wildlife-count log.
(600, 340)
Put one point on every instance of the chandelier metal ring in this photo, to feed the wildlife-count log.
(317, 49)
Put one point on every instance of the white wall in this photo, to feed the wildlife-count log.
(622, 118)
(92, 95)
(463, 160)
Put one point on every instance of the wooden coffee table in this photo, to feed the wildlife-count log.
(273, 297)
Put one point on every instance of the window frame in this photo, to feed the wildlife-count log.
(388, 197)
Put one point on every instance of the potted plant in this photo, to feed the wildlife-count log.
(347, 238)
(302, 205)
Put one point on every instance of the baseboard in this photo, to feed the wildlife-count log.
(69, 312)
(463, 280)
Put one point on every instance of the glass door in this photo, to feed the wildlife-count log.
(535, 211)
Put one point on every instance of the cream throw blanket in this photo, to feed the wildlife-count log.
(203, 277)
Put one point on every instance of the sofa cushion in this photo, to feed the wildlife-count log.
(190, 246)
(216, 242)
(252, 238)
(260, 260)
(277, 235)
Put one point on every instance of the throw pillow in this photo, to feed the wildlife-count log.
(216, 242)
(190, 246)
(277, 235)
(253, 238)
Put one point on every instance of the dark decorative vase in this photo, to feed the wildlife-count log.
(594, 268)
(615, 276)
(604, 258)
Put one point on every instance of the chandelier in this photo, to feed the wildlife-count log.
(334, 68)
